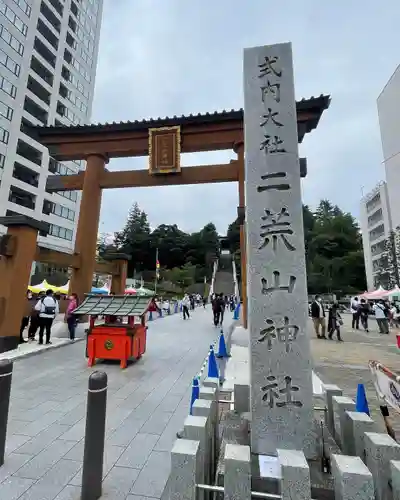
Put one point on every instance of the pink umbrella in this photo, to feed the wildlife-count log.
(130, 291)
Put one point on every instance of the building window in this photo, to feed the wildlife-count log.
(29, 153)
(6, 111)
(8, 87)
(9, 63)
(24, 6)
(70, 195)
(21, 197)
(42, 71)
(2, 160)
(4, 135)
(377, 232)
(60, 211)
(13, 18)
(57, 6)
(11, 40)
(60, 232)
(48, 14)
(58, 168)
(43, 51)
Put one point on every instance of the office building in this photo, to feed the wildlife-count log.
(376, 225)
(48, 58)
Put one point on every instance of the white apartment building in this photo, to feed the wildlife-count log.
(375, 224)
(48, 58)
(389, 122)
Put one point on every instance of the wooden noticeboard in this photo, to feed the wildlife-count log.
(164, 150)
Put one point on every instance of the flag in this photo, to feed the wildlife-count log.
(157, 266)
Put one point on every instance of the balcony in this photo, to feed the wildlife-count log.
(38, 90)
(35, 110)
(48, 14)
(47, 34)
(22, 198)
(29, 153)
(43, 51)
(43, 72)
(376, 233)
(25, 174)
(57, 6)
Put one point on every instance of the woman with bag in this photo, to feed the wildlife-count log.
(70, 316)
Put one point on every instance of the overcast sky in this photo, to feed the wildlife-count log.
(174, 57)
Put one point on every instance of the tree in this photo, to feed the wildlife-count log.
(183, 277)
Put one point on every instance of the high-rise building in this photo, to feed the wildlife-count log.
(375, 225)
(48, 58)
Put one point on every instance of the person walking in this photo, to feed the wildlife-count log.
(185, 306)
(70, 316)
(364, 312)
(355, 311)
(48, 309)
(334, 322)
(381, 316)
(215, 303)
(318, 316)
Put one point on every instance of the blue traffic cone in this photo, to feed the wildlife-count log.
(150, 315)
(181, 308)
(236, 312)
(195, 393)
(361, 400)
(222, 351)
(212, 364)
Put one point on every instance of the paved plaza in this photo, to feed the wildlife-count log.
(147, 404)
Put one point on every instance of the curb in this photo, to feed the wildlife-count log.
(42, 351)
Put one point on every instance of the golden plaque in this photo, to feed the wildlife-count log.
(165, 150)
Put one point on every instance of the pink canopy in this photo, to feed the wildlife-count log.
(376, 294)
(130, 291)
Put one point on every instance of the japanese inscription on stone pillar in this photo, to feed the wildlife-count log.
(281, 380)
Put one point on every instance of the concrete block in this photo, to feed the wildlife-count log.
(352, 479)
(380, 449)
(203, 408)
(241, 397)
(295, 483)
(330, 391)
(395, 476)
(185, 468)
(211, 394)
(354, 426)
(237, 479)
(195, 429)
(341, 404)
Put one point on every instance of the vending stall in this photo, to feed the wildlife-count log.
(117, 327)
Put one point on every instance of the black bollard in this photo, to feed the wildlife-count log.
(92, 474)
(6, 369)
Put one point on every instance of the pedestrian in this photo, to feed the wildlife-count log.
(215, 309)
(354, 309)
(70, 316)
(222, 306)
(204, 302)
(318, 316)
(48, 309)
(364, 311)
(185, 306)
(381, 316)
(334, 322)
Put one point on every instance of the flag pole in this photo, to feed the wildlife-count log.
(156, 278)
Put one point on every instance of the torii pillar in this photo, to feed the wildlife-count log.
(239, 150)
(17, 249)
(88, 225)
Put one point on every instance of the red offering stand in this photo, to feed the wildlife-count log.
(122, 334)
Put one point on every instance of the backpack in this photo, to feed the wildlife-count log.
(49, 310)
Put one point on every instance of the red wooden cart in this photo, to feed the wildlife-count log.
(122, 334)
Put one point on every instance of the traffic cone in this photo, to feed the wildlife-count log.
(195, 393)
(150, 315)
(212, 364)
(236, 312)
(222, 351)
(361, 400)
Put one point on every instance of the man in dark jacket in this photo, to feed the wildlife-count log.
(318, 316)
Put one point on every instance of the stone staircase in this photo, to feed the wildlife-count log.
(224, 277)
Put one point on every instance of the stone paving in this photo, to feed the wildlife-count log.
(346, 363)
(147, 404)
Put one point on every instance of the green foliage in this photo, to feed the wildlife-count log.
(334, 256)
(184, 258)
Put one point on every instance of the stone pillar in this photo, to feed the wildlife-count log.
(237, 477)
(330, 391)
(195, 429)
(185, 465)
(118, 281)
(380, 449)
(18, 249)
(239, 150)
(354, 426)
(281, 377)
(295, 483)
(88, 224)
(352, 479)
(210, 394)
(203, 408)
(341, 404)
(395, 476)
